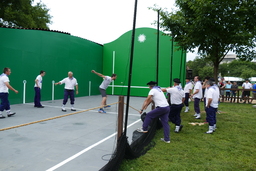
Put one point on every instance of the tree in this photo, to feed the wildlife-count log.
(201, 67)
(214, 27)
(21, 13)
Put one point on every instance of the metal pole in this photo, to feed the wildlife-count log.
(157, 48)
(24, 91)
(120, 116)
(53, 90)
(130, 69)
(113, 71)
(171, 63)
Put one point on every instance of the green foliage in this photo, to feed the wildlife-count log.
(214, 27)
(231, 147)
(21, 13)
(201, 67)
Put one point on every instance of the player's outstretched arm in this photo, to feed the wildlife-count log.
(99, 74)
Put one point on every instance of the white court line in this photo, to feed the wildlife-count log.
(59, 107)
(86, 149)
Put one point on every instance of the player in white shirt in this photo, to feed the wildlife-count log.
(188, 90)
(161, 111)
(212, 103)
(37, 88)
(177, 96)
(69, 90)
(197, 95)
(104, 85)
(246, 94)
(4, 93)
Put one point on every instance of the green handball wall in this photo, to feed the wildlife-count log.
(116, 58)
(27, 52)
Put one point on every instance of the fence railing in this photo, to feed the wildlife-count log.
(239, 94)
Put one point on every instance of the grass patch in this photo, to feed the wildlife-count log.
(231, 147)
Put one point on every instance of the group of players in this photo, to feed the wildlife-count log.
(70, 88)
(166, 109)
(176, 98)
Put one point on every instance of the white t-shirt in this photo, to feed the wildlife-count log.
(214, 94)
(107, 80)
(247, 85)
(3, 79)
(188, 86)
(198, 86)
(158, 97)
(39, 79)
(176, 95)
(70, 83)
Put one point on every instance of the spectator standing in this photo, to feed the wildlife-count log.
(233, 92)
(228, 85)
(222, 84)
(246, 94)
(253, 92)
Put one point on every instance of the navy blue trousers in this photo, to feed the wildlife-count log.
(37, 99)
(162, 113)
(5, 105)
(186, 99)
(174, 115)
(69, 93)
(211, 115)
(196, 105)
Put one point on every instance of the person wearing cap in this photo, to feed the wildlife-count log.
(188, 90)
(197, 95)
(246, 94)
(104, 85)
(37, 88)
(211, 107)
(4, 93)
(69, 90)
(177, 96)
(161, 111)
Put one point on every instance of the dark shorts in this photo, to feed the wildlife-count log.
(103, 92)
(246, 93)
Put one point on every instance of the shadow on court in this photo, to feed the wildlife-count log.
(83, 141)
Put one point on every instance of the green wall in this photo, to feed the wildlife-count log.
(27, 52)
(116, 57)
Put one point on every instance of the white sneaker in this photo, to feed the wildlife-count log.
(63, 109)
(73, 109)
(195, 114)
(186, 110)
(162, 139)
(198, 116)
(141, 130)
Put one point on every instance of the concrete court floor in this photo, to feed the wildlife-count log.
(80, 142)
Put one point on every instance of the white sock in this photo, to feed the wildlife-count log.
(8, 111)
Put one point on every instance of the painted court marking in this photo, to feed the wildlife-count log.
(95, 111)
(86, 149)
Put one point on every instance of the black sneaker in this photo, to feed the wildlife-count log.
(181, 126)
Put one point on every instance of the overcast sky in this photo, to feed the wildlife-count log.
(103, 21)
